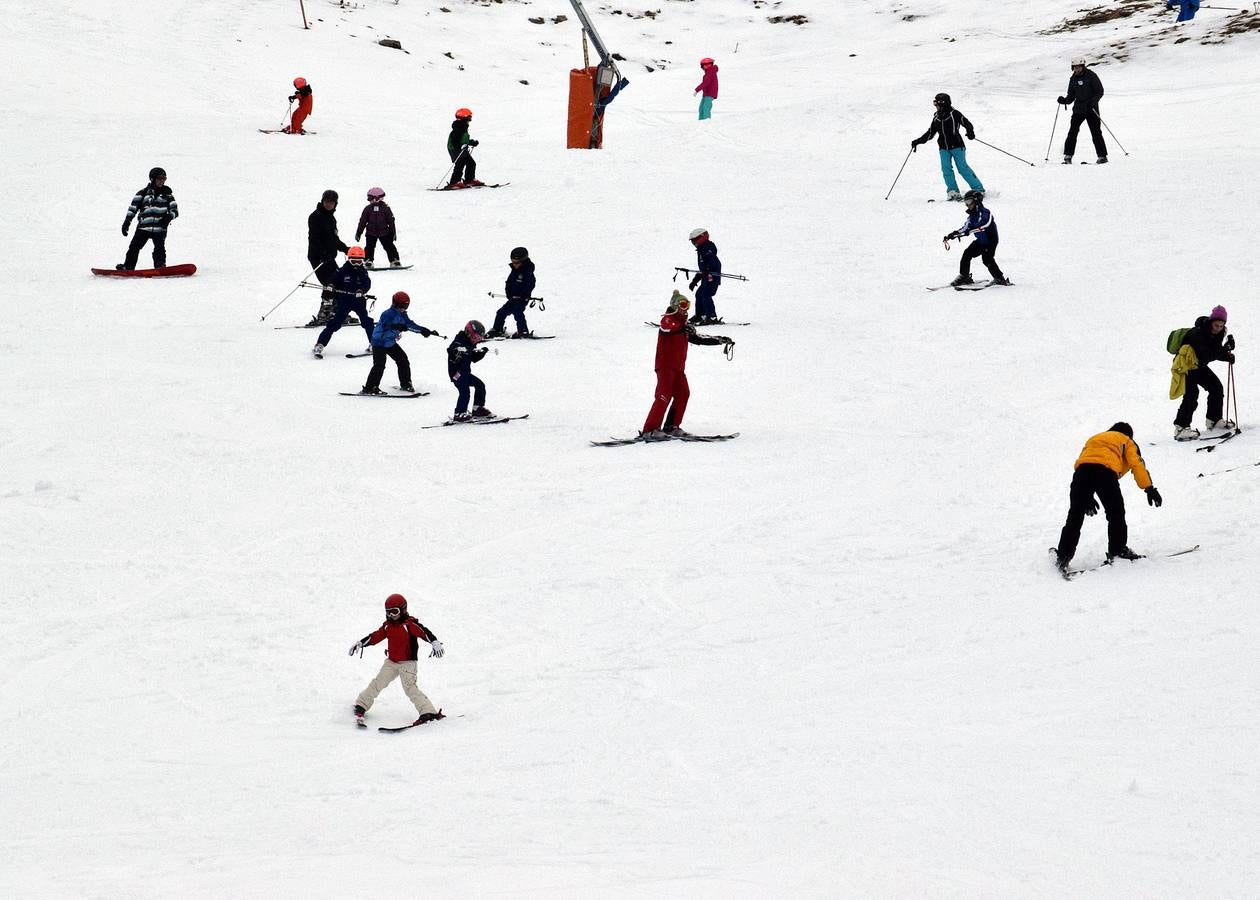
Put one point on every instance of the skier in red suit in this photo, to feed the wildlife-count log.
(402, 634)
(306, 102)
(672, 391)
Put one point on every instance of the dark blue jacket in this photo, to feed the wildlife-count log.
(707, 259)
(980, 222)
(520, 281)
(351, 279)
(392, 323)
(461, 354)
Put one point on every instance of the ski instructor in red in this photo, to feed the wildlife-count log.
(672, 391)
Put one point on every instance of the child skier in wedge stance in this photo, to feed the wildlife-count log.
(709, 277)
(155, 206)
(518, 288)
(402, 634)
(349, 286)
(460, 356)
(378, 220)
(1104, 460)
(393, 322)
(305, 97)
(672, 390)
(980, 222)
(459, 146)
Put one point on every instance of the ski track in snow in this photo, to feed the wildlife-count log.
(829, 658)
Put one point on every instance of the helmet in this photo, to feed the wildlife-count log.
(355, 255)
(156, 172)
(1123, 427)
(973, 197)
(519, 253)
(398, 602)
(299, 82)
(476, 331)
(375, 193)
(463, 113)
(707, 61)
(678, 303)
(697, 233)
(1078, 60)
(942, 99)
(329, 195)
(401, 300)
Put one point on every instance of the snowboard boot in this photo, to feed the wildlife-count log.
(1221, 424)
(523, 334)
(428, 717)
(318, 351)
(953, 195)
(962, 279)
(482, 413)
(1002, 280)
(1067, 160)
(395, 263)
(1101, 160)
(1184, 433)
(407, 388)
(1124, 553)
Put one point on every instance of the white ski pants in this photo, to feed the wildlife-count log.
(389, 671)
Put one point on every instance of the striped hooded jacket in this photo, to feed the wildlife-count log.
(154, 206)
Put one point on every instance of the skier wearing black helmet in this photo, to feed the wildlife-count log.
(948, 124)
(519, 288)
(983, 226)
(153, 207)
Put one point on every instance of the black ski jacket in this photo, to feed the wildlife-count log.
(1208, 347)
(321, 235)
(948, 128)
(1084, 91)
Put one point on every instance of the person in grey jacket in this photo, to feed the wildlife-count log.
(153, 207)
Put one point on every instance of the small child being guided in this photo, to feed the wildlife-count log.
(377, 219)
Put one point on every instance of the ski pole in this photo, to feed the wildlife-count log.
(1000, 150)
(1052, 128)
(290, 294)
(899, 171)
(286, 120)
(330, 290)
(1113, 136)
(532, 300)
(698, 272)
(441, 184)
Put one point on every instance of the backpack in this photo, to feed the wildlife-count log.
(1176, 338)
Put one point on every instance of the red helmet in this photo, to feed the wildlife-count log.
(355, 253)
(707, 61)
(401, 300)
(476, 331)
(299, 82)
(463, 113)
(398, 602)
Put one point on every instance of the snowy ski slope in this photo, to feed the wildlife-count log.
(827, 659)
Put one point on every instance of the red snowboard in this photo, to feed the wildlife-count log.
(166, 272)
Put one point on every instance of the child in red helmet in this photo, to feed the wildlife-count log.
(306, 102)
(459, 147)
(708, 85)
(402, 634)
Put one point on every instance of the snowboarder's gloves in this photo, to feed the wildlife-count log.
(126, 227)
(356, 647)
(1092, 509)
(1153, 497)
(437, 648)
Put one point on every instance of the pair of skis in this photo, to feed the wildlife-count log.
(486, 420)
(687, 438)
(407, 395)
(975, 286)
(471, 187)
(529, 337)
(704, 325)
(1069, 574)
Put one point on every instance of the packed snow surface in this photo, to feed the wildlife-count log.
(828, 658)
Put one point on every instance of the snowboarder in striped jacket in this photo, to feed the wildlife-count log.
(153, 207)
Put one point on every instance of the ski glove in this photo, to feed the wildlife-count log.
(1153, 497)
(424, 332)
(126, 227)
(971, 135)
(473, 143)
(1229, 344)
(1063, 101)
(1229, 358)
(437, 649)
(693, 283)
(357, 646)
(1092, 509)
(914, 146)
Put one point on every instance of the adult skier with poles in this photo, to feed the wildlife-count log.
(948, 124)
(1084, 91)
(322, 247)
(1208, 343)
(402, 634)
(1104, 460)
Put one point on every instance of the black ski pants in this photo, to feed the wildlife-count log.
(399, 357)
(138, 241)
(1095, 129)
(369, 251)
(1205, 378)
(465, 166)
(1092, 479)
(985, 252)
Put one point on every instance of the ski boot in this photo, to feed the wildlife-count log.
(523, 334)
(1101, 160)
(428, 717)
(461, 417)
(475, 182)
(456, 186)
(318, 351)
(496, 333)
(962, 279)
(953, 195)
(1184, 433)
(482, 413)
(1067, 160)
(1002, 280)
(1221, 424)
(1124, 553)
(407, 388)
(359, 712)
(652, 437)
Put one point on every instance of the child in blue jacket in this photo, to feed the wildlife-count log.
(460, 355)
(983, 226)
(349, 286)
(519, 288)
(393, 322)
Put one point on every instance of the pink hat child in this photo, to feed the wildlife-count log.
(1219, 314)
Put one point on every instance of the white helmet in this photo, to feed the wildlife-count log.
(696, 232)
(1078, 60)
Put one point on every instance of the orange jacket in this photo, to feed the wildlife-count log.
(1119, 453)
